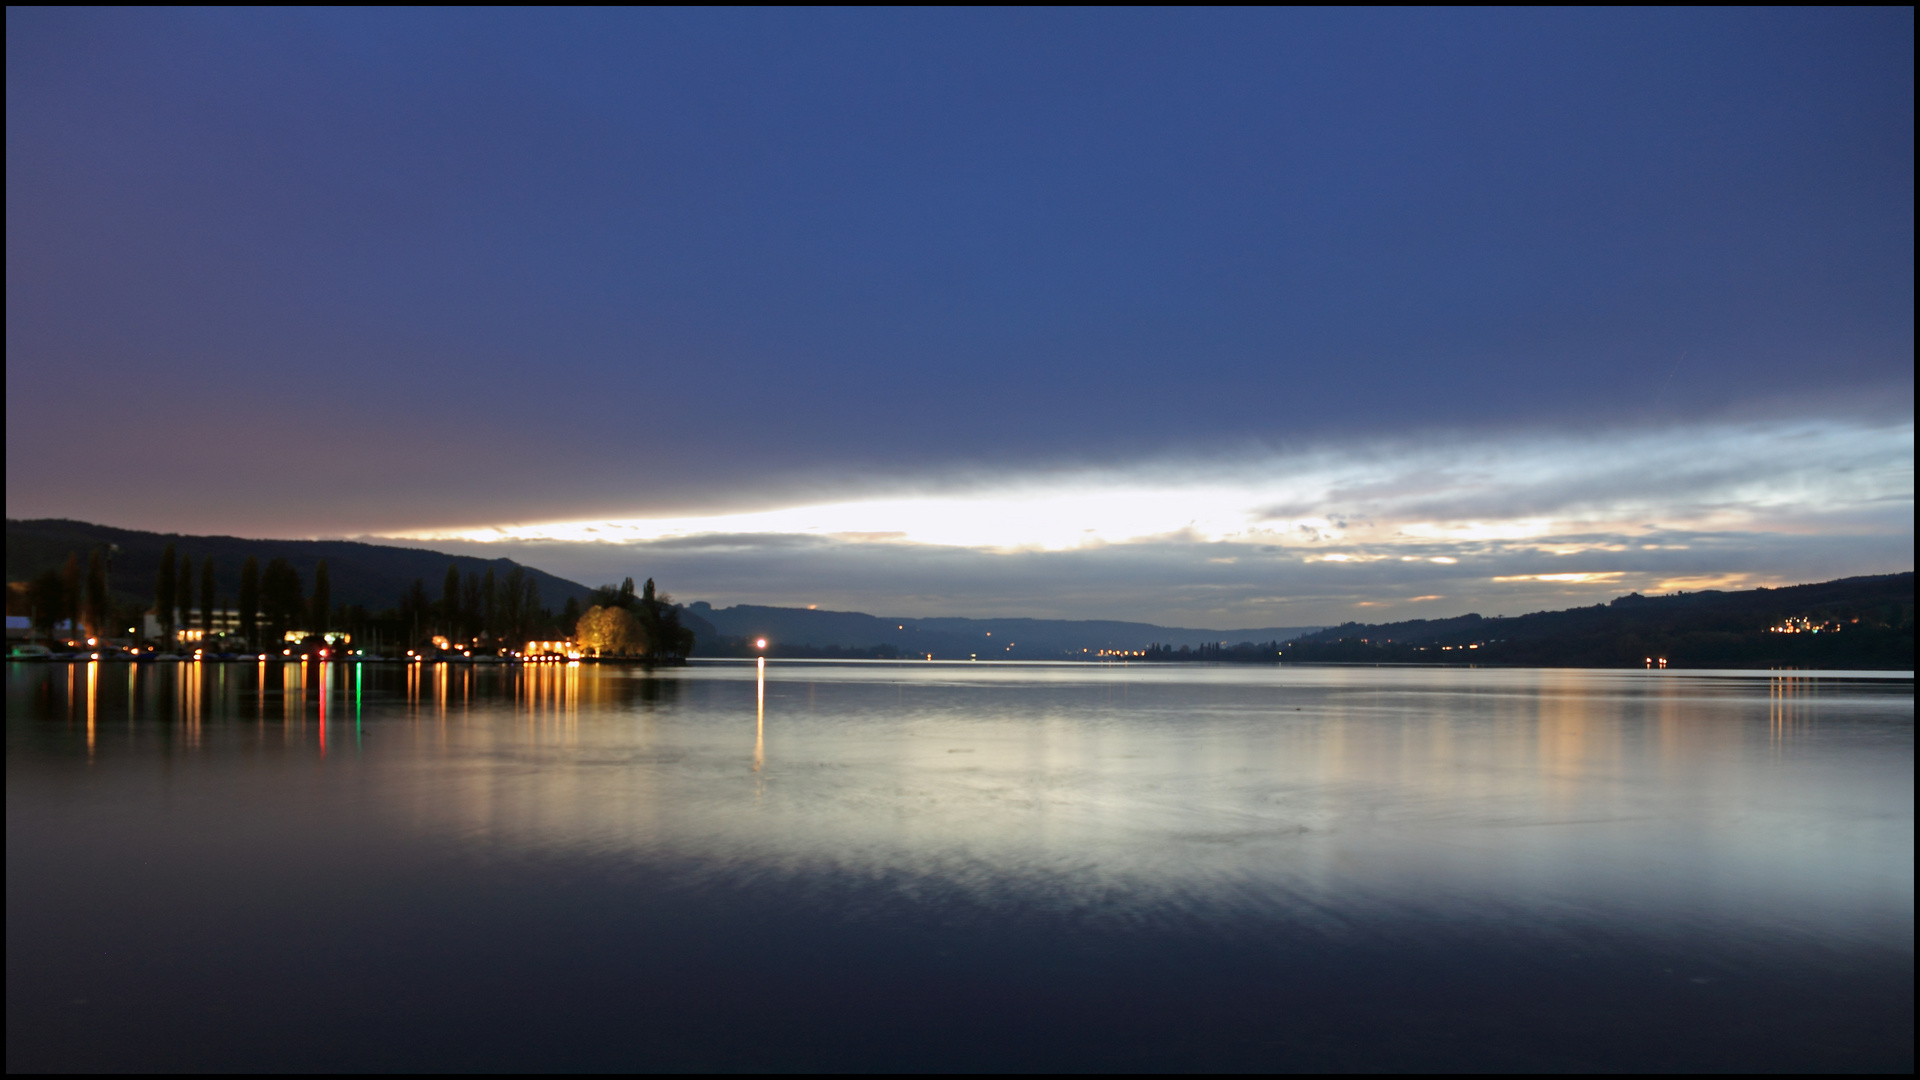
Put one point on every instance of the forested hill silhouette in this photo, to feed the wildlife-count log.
(804, 633)
(373, 575)
(1859, 622)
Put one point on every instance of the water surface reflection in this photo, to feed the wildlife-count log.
(1091, 867)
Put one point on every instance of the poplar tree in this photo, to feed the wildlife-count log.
(450, 602)
(163, 596)
(530, 608)
(470, 605)
(489, 610)
(96, 610)
(282, 595)
(206, 597)
(48, 601)
(250, 599)
(422, 608)
(183, 593)
(322, 607)
(70, 583)
(511, 594)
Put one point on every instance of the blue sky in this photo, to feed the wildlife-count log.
(1114, 313)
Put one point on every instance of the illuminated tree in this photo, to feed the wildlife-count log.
(610, 631)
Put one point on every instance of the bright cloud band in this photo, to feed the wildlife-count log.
(1356, 505)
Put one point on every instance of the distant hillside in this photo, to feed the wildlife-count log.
(805, 632)
(369, 574)
(1864, 622)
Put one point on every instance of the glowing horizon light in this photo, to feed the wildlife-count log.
(1499, 509)
(1600, 577)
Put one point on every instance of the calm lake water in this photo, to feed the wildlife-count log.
(929, 866)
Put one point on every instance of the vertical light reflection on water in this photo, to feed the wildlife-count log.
(133, 675)
(293, 702)
(543, 688)
(1576, 740)
(325, 676)
(93, 702)
(760, 716)
(188, 694)
(1789, 709)
(356, 705)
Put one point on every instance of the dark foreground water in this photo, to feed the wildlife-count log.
(956, 867)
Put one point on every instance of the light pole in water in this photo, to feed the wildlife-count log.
(760, 707)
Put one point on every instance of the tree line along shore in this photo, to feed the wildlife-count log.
(272, 609)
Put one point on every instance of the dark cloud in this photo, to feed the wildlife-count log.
(309, 271)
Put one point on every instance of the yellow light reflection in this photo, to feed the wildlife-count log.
(1789, 708)
(93, 702)
(760, 717)
(323, 675)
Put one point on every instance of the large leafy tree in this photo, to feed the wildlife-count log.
(611, 631)
(653, 611)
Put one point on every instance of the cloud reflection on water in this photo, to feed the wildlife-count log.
(1323, 796)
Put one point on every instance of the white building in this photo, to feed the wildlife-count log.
(225, 621)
